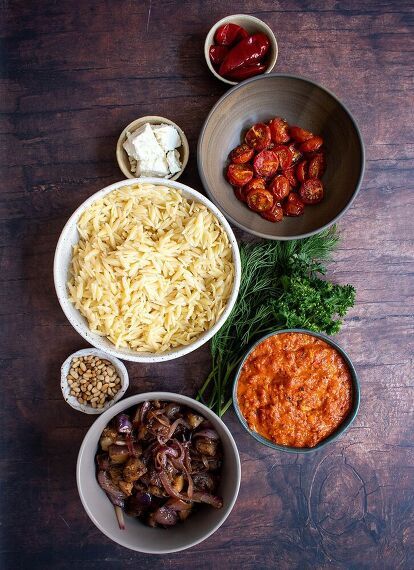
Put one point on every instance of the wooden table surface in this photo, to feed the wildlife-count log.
(73, 75)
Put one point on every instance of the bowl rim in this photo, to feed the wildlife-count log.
(86, 408)
(120, 152)
(144, 357)
(343, 426)
(103, 420)
(210, 40)
(331, 94)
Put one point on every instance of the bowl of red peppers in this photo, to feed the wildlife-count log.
(239, 47)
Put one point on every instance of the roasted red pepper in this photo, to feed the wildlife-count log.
(248, 51)
(245, 72)
(217, 54)
(229, 34)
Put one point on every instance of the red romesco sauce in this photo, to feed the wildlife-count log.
(294, 389)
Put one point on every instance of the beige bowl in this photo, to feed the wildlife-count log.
(252, 25)
(122, 156)
(136, 535)
(301, 102)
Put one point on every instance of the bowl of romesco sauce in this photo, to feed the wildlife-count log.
(296, 391)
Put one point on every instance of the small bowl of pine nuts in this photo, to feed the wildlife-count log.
(92, 381)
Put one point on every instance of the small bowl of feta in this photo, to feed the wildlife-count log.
(152, 147)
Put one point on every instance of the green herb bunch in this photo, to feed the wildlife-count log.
(281, 287)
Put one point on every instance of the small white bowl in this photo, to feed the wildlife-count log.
(72, 401)
(63, 256)
(250, 24)
(136, 535)
(122, 155)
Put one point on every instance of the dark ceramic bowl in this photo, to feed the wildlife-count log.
(303, 103)
(341, 428)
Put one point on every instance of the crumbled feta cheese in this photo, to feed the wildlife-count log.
(151, 150)
(167, 136)
(173, 159)
(154, 166)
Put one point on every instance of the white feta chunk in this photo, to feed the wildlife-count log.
(142, 144)
(167, 136)
(154, 166)
(173, 159)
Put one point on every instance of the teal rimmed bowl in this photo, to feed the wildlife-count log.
(334, 435)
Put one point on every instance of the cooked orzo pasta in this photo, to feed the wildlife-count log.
(152, 270)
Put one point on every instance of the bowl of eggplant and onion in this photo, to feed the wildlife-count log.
(158, 472)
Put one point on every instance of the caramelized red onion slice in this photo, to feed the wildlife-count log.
(178, 505)
(116, 496)
(169, 488)
(209, 433)
(140, 414)
(174, 426)
(213, 500)
(120, 517)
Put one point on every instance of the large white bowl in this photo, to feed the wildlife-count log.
(136, 535)
(63, 256)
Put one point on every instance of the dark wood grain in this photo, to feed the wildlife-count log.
(73, 75)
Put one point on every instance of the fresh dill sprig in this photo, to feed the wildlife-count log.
(280, 288)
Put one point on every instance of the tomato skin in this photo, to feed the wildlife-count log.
(302, 171)
(311, 191)
(258, 137)
(293, 205)
(239, 174)
(311, 145)
(229, 34)
(317, 166)
(296, 154)
(266, 163)
(246, 52)
(241, 154)
(300, 135)
(254, 184)
(279, 187)
(289, 173)
(275, 214)
(284, 155)
(260, 200)
(279, 130)
(240, 193)
(217, 54)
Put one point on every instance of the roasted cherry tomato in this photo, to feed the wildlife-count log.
(279, 130)
(241, 154)
(279, 187)
(239, 174)
(240, 193)
(311, 145)
(259, 200)
(217, 54)
(317, 165)
(266, 163)
(248, 51)
(255, 184)
(293, 205)
(300, 135)
(273, 215)
(311, 191)
(302, 170)
(229, 34)
(296, 154)
(258, 137)
(284, 155)
(289, 173)
(242, 73)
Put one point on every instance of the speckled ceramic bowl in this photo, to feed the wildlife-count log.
(341, 428)
(301, 102)
(63, 256)
(251, 24)
(85, 408)
(136, 535)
